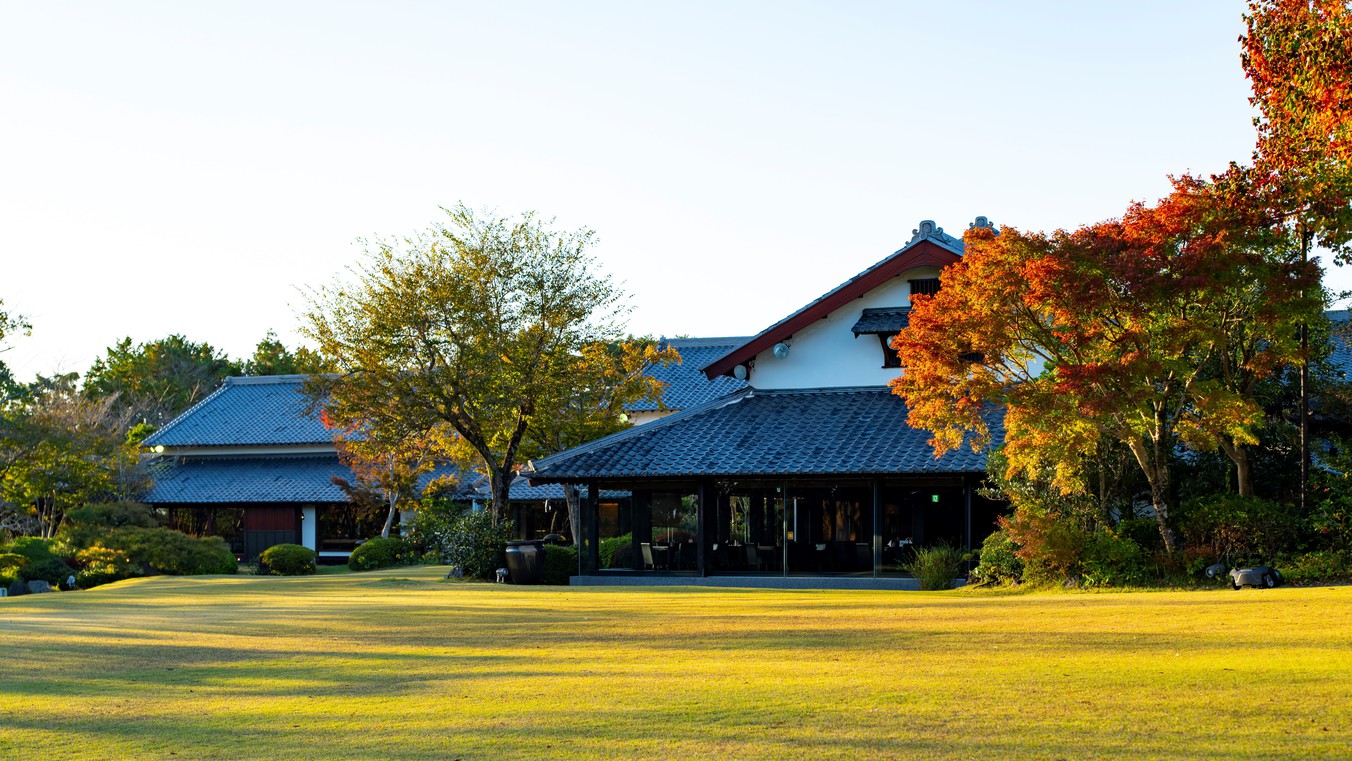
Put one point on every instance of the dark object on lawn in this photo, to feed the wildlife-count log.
(38, 586)
(18, 588)
(1257, 576)
(526, 561)
(1215, 571)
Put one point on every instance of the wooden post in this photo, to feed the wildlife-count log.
(701, 528)
(877, 526)
(593, 527)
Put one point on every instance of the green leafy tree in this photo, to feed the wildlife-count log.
(272, 357)
(71, 450)
(475, 324)
(157, 380)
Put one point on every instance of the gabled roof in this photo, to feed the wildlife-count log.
(929, 246)
(888, 320)
(265, 410)
(686, 385)
(755, 433)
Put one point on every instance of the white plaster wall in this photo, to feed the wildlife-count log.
(826, 354)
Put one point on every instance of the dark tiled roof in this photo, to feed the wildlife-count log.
(244, 411)
(246, 479)
(887, 320)
(284, 478)
(686, 385)
(523, 491)
(858, 431)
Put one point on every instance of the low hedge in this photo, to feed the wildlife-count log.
(171, 552)
(287, 560)
(379, 553)
(560, 563)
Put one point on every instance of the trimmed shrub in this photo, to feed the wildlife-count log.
(34, 549)
(998, 562)
(35, 560)
(287, 560)
(936, 566)
(379, 553)
(87, 526)
(560, 563)
(476, 546)
(53, 570)
(163, 550)
(103, 565)
(11, 562)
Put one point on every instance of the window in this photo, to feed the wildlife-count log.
(927, 286)
(890, 358)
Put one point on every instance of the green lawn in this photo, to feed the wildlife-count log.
(400, 664)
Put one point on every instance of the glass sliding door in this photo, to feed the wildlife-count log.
(746, 534)
(830, 529)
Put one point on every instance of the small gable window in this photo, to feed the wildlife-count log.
(884, 323)
(890, 356)
(927, 286)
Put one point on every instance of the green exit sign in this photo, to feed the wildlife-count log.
(934, 498)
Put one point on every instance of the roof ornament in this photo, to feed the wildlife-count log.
(982, 223)
(926, 231)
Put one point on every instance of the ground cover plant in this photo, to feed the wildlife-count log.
(401, 663)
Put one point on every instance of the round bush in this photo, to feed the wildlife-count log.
(998, 562)
(378, 553)
(287, 560)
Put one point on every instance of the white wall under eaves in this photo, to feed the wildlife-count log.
(826, 353)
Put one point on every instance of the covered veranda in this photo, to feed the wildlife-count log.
(828, 484)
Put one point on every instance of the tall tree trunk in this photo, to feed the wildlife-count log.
(500, 482)
(574, 501)
(389, 518)
(1239, 455)
(1156, 471)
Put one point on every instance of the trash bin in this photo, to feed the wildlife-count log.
(526, 561)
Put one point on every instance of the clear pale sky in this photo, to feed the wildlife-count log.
(191, 167)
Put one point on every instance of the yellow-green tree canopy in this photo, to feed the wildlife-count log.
(482, 323)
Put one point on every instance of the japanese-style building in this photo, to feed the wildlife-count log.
(809, 469)
(252, 464)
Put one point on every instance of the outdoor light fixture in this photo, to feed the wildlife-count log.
(781, 350)
(739, 372)
(158, 450)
